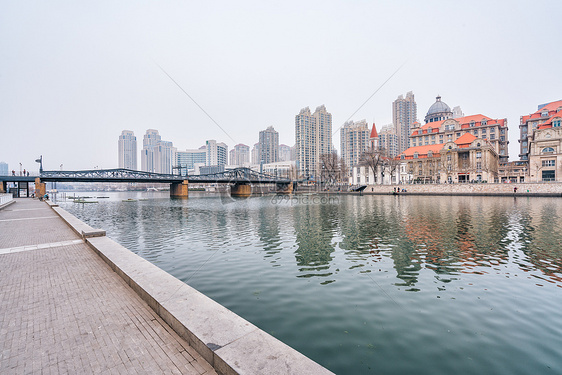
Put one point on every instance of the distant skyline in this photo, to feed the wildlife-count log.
(73, 75)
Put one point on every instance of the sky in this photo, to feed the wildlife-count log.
(74, 74)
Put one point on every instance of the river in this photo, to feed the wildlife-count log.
(371, 284)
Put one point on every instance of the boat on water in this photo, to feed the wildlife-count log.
(129, 200)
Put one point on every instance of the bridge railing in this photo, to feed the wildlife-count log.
(5, 198)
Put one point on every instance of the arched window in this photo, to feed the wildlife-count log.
(484, 122)
(548, 150)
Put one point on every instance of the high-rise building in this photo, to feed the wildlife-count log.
(268, 146)
(149, 143)
(284, 153)
(240, 155)
(354, 140)
(256, 154)
(157, 156)
(313, 134)
(217, 153)
(4, 169)
(388, 140)
(127, 150)
(404, 114)
(186, 160)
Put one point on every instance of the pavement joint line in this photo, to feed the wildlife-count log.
(29, 209)
(18, 249)
(31, 218)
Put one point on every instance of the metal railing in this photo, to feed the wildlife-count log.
(5, 198)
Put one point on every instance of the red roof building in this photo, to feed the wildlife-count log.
(449, 130)
(541, 119)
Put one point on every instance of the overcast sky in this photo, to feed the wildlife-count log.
(74, 74)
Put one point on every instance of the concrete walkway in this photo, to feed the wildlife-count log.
(63, 310)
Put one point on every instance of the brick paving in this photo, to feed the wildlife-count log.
(63, 310)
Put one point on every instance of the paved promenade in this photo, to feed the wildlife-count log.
(63, 310)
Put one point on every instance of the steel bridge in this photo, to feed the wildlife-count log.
(238, 175)
(235, 177)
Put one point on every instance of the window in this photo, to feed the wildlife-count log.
(415, 155)
(492, 136)
(547, 150)
(402, 157)
(472, 124)
(549, 163)
(544, 114)
(479, 165)
(448, 157)
(478, 155)
(556, 123)
(430, 154)
(548, 175)
(458, 135)
(484, 122)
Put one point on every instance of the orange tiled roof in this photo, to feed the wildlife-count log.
(422, 150)
(464, 139)
(550, 107)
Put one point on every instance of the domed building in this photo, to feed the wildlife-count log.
(438, 111)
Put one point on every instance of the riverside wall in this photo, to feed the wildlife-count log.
(524, 189)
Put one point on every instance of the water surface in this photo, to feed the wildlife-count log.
(372, 284)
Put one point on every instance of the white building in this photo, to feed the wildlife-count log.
(404, 114)
(388, 140)
(269, 145)
(282, 169)
(354, 140)
(217, 153)
(240, 155)
(127, 150)
(186, 160)
(157, 156)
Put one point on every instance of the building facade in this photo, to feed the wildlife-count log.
(529, 123)
(240, 155)
(313, 135)
(354, 141)
(217, 153)
(4, 171)
(545, 145)
(285, 153)
(388, 140)
(268, 146)
(449, 130)
(127, 150)
(404, 114)
(466, 159)
(157, 156)
(186, 160)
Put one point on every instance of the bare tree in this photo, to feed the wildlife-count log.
(391, 165)
(330, 167)
(373, 158)
(344, 172)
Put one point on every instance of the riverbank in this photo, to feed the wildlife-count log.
(526, 189)
(211, 335)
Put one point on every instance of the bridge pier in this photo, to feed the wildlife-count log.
(284, 188)
(242, 190)
(179, 189)
(40, 188)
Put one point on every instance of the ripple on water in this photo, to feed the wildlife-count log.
(392, 285)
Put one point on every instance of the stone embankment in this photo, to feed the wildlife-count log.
(63, 310)
(526, 189)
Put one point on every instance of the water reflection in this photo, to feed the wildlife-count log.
(447, 236)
